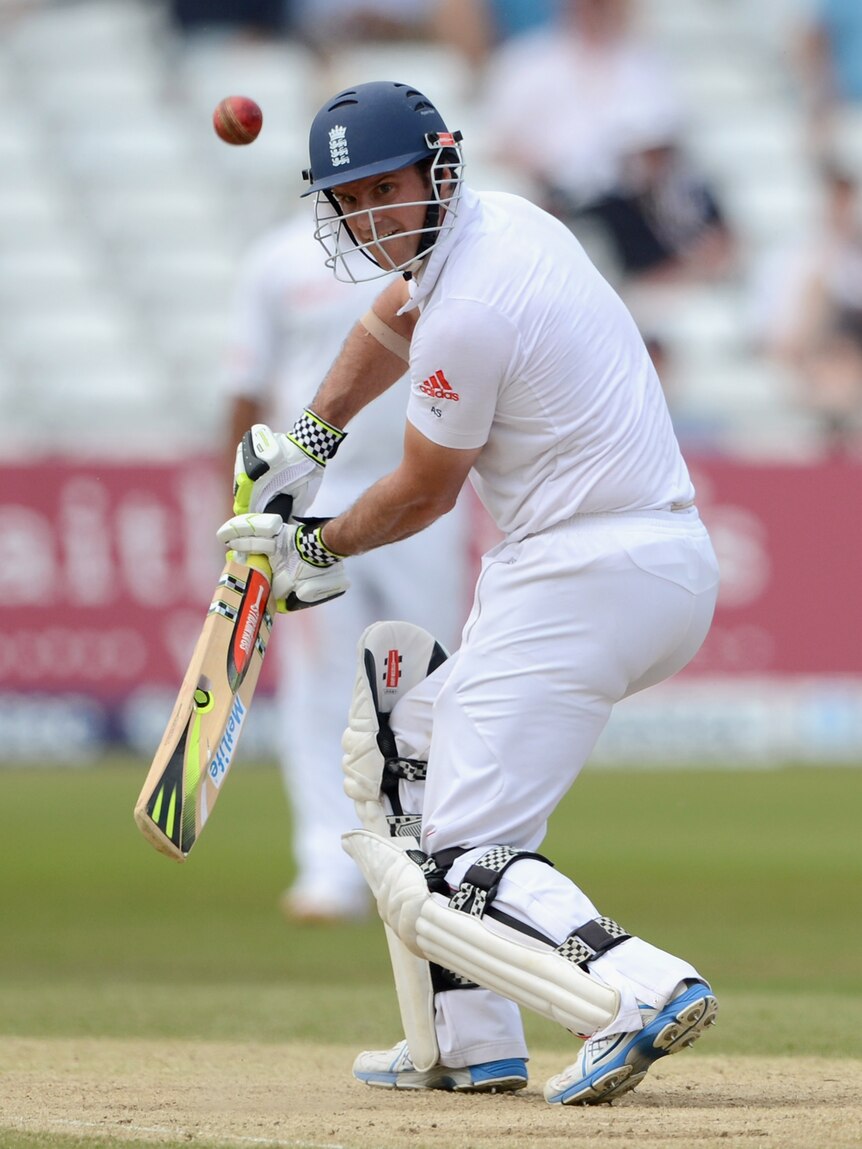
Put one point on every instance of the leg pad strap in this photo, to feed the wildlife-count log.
(591, 940)
(519, 967)
(482, 880)
(476, 894)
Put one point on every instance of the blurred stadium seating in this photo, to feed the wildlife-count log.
(122, 217)
(123, 220)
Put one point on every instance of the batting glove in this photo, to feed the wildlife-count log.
(304, 571)
(269, 463)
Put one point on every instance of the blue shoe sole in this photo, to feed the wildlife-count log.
(488, 1077)
(678, 1026)
(496, 1077)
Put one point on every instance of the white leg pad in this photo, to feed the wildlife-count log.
(402, 653)
(412, 977)
(538, 979)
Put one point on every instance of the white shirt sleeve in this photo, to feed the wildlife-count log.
(462, 355)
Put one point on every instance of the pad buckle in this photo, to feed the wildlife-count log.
(591, 940)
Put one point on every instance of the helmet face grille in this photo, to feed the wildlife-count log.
(366, 131)
(353, 261)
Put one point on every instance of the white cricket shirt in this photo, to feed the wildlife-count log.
(523, 348)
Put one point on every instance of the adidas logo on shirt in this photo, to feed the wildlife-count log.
(438, 387)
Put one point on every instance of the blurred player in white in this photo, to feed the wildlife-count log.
(290, 318)
(528, 375)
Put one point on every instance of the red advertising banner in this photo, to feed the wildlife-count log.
(790, 551)
(110, 569)
(110, 572)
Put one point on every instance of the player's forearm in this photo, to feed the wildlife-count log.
(386, 513)
(365, 368)
(424, 486)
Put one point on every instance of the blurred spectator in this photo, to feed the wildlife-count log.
(244, 17)
(557, 100)
(807, 311)
(291, 316)
(832, 61)
(329, 23)
(477, 27)
(12, 10)
(662, 221)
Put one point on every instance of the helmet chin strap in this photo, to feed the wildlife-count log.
(433, 217)
(426, 240)
(431, 230)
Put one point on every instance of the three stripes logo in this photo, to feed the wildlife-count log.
(438, 387)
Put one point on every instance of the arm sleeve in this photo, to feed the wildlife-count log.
(463, 353)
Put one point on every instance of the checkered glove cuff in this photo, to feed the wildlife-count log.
(317, 439)
(313, 550)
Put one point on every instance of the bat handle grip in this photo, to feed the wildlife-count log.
(259, 563)
(280, 505)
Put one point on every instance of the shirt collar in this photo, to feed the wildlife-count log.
(421, 283)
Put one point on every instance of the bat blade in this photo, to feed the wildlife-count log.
(201, 737)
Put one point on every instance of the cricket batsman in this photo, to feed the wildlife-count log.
(530, 380)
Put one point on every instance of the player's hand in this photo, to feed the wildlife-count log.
(304, 572)
(269, 463)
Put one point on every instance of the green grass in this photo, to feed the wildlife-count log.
(19, 1140)
(755, 876)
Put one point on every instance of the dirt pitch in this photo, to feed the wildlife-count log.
(302, 1096)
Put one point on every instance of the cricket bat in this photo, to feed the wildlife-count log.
(200, 741)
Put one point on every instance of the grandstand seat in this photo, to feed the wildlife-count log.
(91, 32)
(439, 73)
(122, 216)
(40, 274)
(281, 75)
(765, 211)
(113, 97)
(31, 208)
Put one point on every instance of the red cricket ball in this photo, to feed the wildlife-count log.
(237, 120)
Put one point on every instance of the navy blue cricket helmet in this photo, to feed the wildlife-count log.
(368, 130)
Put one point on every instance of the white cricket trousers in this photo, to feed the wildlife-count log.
(564, 624)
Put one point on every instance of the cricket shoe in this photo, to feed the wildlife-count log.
(393, 1069)
(611, 1066)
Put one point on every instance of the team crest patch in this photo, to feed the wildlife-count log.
(338, 146)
